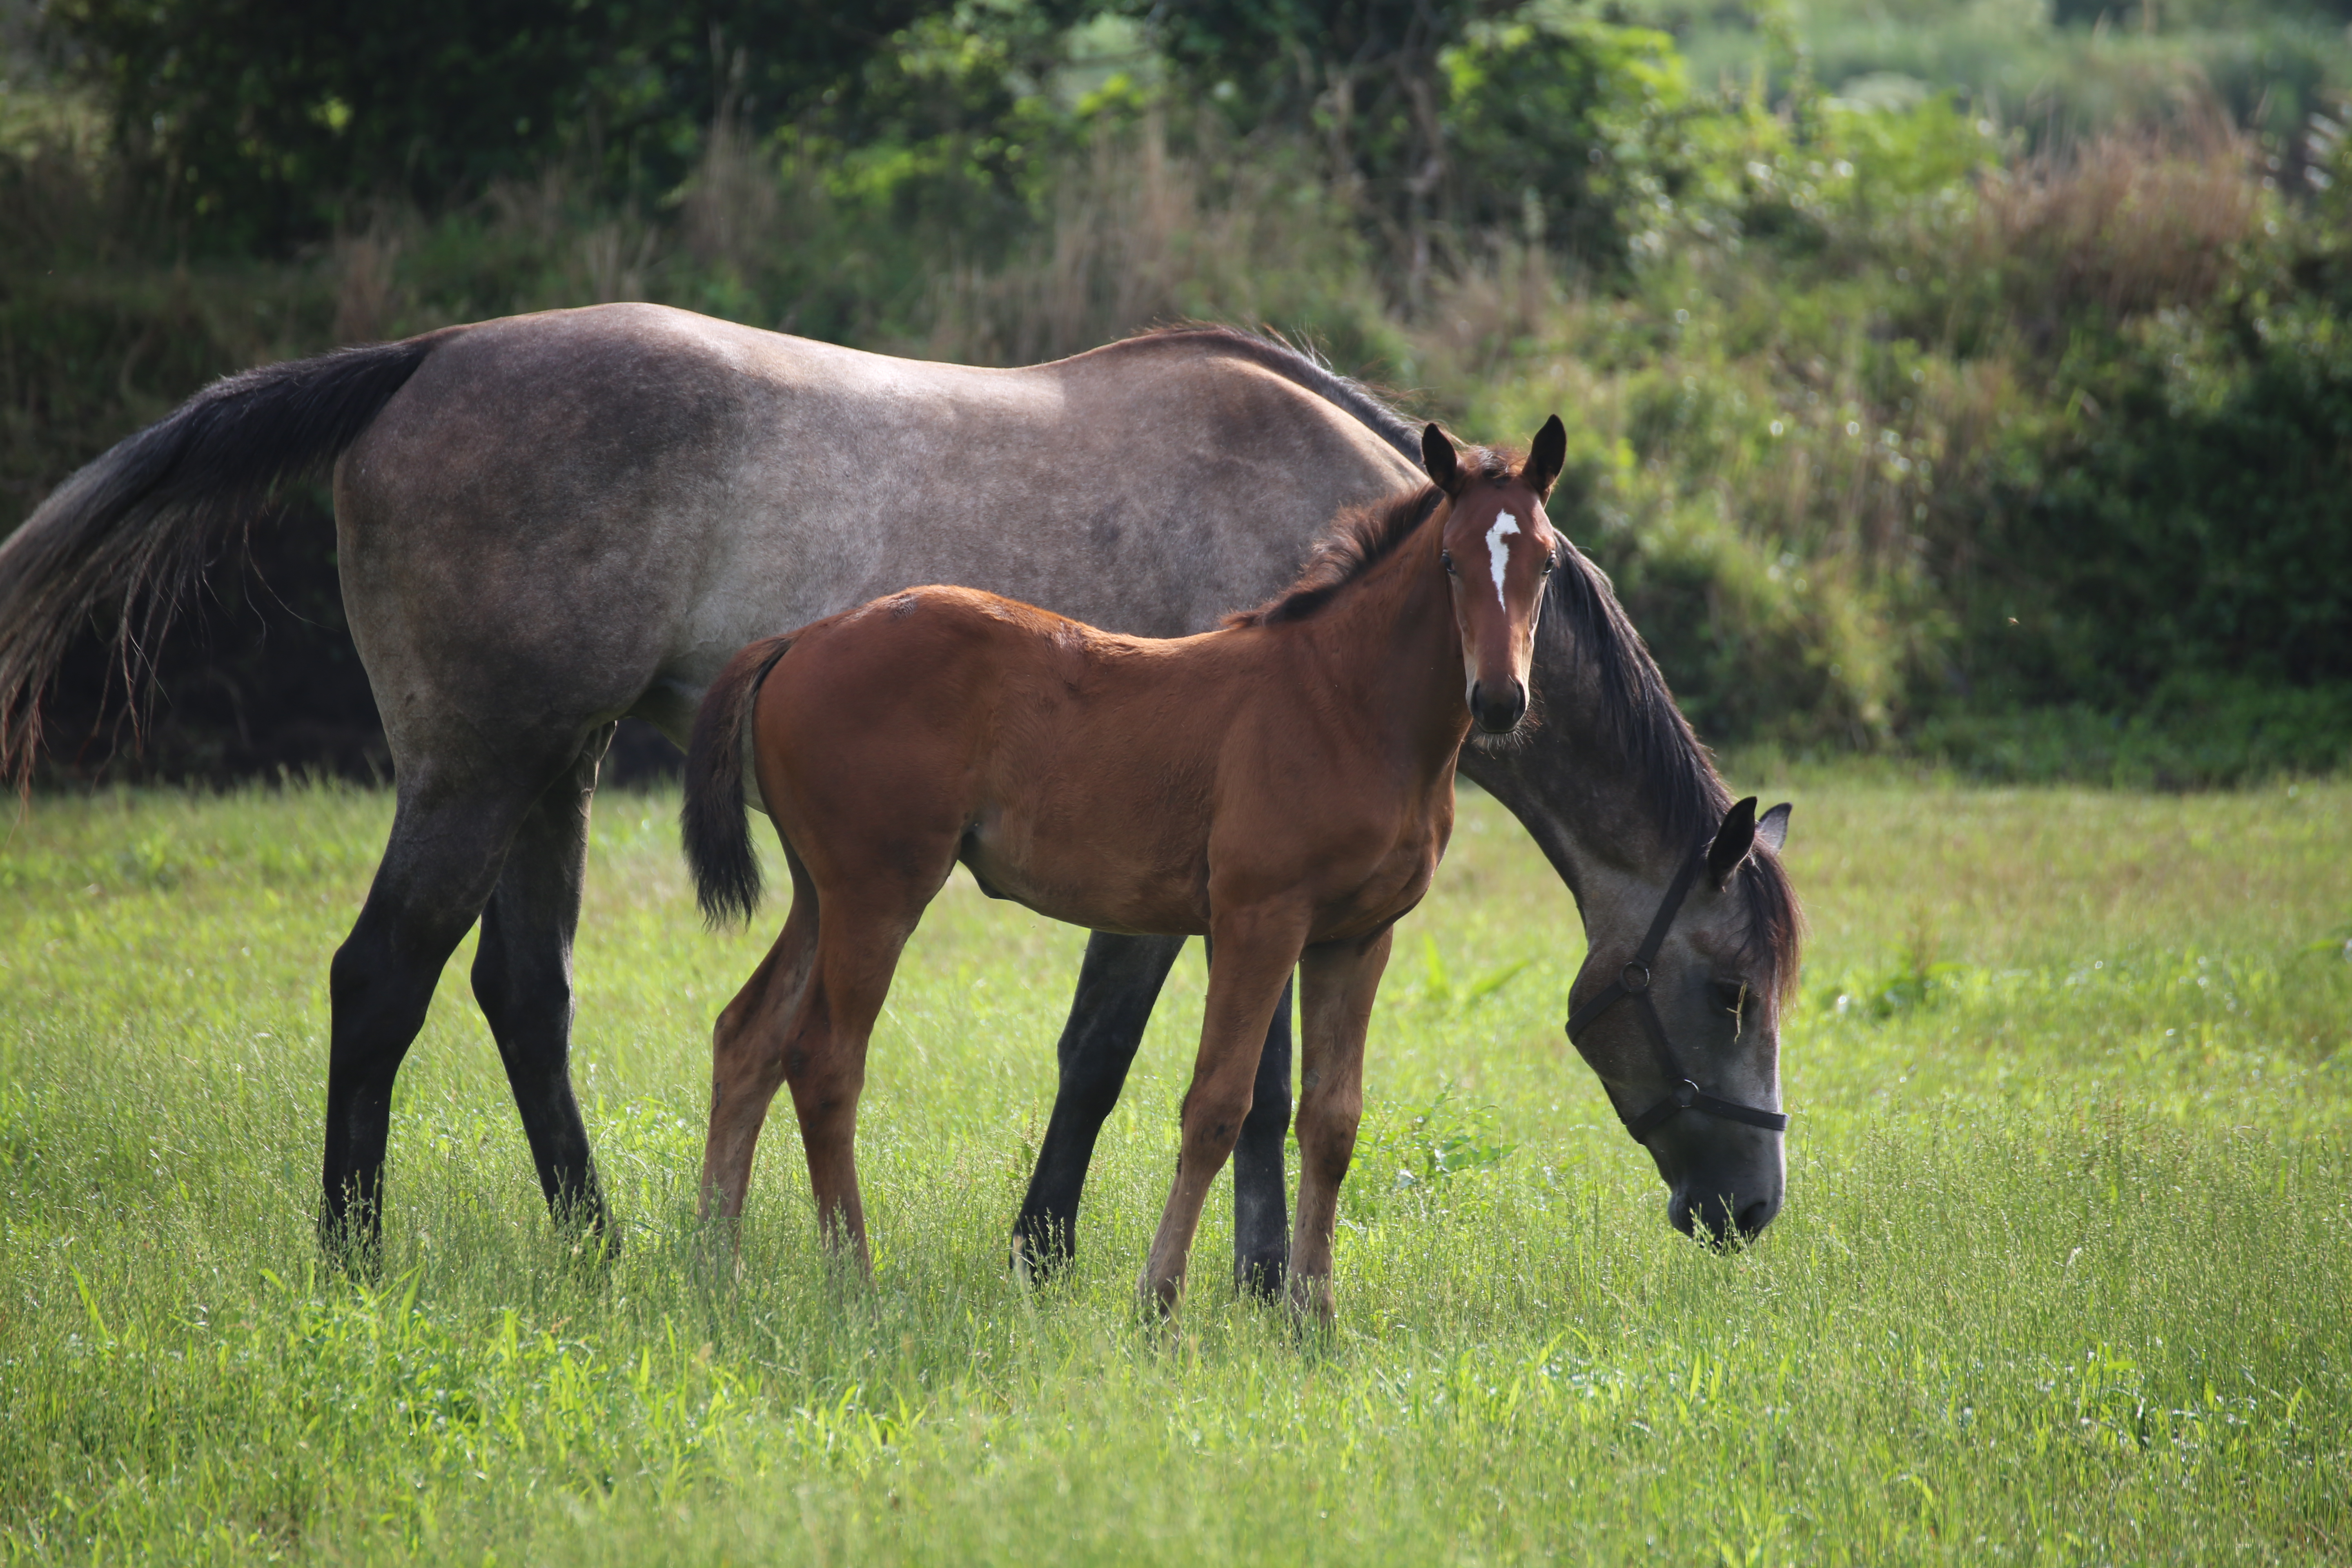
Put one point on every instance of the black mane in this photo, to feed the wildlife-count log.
(1669, 765)
(1302, 369)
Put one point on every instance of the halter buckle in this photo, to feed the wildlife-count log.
(1685, 1094)
(1636, 977)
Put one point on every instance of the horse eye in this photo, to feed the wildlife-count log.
(1550, 562)
(1445, 559)
(1732, 995)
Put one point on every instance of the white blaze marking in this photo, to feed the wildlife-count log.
(1499, 554)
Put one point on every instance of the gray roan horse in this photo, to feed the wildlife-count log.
(546, 523)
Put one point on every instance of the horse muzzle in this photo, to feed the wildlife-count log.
(1709, 1210)
(1497, 710)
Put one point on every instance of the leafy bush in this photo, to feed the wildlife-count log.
(1895, 426)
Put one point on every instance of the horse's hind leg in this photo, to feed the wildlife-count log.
(522, 978)
(449, 845)
(825, 986)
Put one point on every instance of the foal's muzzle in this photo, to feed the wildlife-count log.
(1499, 710)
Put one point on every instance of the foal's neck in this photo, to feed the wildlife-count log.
(1390, 647)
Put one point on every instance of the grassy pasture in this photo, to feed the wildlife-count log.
(2062, 1277)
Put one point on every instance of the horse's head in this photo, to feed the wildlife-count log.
(1497, 549)
(1679, 1015)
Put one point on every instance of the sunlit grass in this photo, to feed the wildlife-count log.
(2062, 1277)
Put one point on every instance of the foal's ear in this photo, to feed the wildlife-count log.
(1772, 827)
(1437, 457)
(1546, 458)
(1732, 842)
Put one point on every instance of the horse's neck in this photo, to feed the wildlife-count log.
(1594, 812)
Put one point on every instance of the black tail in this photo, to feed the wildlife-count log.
(717, 836)
(137, 526)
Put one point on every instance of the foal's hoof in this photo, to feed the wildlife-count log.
(1310, 1302)
(1156, 1299)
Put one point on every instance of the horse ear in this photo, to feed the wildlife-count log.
(1437, 457)
(1546, 458)
(1732, 842)
(1772, 827)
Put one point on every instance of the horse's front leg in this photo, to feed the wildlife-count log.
(1338, 981)
(1117, 988)
(1249, 961)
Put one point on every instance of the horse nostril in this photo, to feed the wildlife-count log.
(1756, 1216)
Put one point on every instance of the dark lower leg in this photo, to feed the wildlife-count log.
(522, 978)
(1118, 985)
(440, 866)
(1261, 1212)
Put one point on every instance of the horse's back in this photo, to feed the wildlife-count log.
(597, 507)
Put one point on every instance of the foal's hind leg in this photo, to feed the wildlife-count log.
(805, 1019)
(824, 1059)
(522, 978)
(747, 1051)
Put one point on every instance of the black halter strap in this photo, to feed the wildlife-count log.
(1634, 982)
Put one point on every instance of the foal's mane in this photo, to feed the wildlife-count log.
(1361, 538)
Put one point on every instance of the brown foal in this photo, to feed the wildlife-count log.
(1284, 786)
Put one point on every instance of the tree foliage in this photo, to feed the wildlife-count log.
(260, 122)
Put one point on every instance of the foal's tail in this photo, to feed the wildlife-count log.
(718, 835)
(130, 532)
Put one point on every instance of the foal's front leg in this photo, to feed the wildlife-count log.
(1338, 981)
(1250, 962)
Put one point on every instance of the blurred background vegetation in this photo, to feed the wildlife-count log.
(1964, 379)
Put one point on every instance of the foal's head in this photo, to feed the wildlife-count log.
(1498, 548)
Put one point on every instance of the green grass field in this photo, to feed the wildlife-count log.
(2064, 1274)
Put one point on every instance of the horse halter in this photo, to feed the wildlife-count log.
(1634, 983)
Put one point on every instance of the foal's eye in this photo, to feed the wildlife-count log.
(1550, 562)
(1445, 559)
